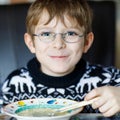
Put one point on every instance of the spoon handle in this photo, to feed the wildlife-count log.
(77, 105)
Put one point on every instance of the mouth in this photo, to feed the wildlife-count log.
(58, 57)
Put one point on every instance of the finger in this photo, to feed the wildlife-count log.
(98, 103)
(105, 107)
(91, 95)
(112, 111)
(94, 93)
(110, 108)
(81, 108)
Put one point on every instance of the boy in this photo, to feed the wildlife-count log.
(59, 33)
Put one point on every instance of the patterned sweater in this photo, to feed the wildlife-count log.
(30, 82)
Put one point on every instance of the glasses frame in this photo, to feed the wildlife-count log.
(62, 35)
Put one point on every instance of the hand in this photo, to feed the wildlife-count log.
(108, 102)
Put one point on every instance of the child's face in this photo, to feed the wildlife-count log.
(58, 58)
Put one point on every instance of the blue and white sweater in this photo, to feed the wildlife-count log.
(30, 82)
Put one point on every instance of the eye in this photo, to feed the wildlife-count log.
(71, 33)
(46, 34)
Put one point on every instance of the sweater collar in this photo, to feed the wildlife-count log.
(40, 78)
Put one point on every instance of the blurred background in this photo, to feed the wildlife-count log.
(14, 53)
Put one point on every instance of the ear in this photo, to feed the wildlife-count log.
(88, 42)
(29, 42)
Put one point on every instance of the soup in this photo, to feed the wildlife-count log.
(40, 112)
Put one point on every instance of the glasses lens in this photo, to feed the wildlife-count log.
(46, 36)
(71, 36)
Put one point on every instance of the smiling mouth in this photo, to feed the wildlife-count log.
(58, 56)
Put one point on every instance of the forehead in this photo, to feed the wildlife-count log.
(66, 20)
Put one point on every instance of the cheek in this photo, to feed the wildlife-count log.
(40, 49)
(78, 48)
(77, 52)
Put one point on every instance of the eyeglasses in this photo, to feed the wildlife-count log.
(69, 37)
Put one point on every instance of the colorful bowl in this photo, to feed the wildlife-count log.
(39, 109)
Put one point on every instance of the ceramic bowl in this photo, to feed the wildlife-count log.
(39, 109)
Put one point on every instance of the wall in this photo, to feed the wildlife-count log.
(117, 61)
(13, 52)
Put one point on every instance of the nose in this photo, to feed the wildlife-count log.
(59, 43)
